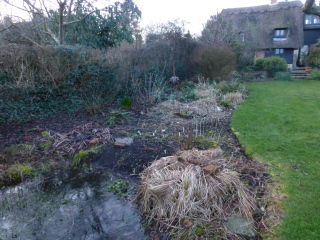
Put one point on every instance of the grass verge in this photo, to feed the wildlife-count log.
(279, 125)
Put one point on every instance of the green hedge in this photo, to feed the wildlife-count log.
(272, 65)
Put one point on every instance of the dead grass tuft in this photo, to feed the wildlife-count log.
(176, 187)
(204, 108)
(235, 98)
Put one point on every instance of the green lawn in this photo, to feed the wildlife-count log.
(280, 124)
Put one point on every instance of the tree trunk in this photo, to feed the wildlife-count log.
(310, 8)
(61, 10)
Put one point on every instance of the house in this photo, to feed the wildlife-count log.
(277, 29)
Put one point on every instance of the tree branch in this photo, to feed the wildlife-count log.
(7, 2)
(44, 23)
(48, 13)
(79, 20)
(69, 10)
(310, 8)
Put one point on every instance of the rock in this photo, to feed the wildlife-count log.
(119, 144)
(26, 138)
(187, 223)
(211, 169)
(93, 142)
(128, 141)
(240, 226)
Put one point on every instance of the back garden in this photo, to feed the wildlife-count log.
(95, 143)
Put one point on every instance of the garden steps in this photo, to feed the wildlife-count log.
(299, 73)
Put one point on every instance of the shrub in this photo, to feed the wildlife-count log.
(283, 76)
(245, 57)
(53, 79)
(313, 60)
(314, 75)
(126, 102)
(259, 64)
(272, 65)
(215, 61)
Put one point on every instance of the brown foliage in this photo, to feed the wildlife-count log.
(29, 64)
(215, 61)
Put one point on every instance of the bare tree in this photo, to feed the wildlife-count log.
(42, 9)
(219, 29)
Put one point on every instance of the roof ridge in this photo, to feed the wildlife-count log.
(263, 8)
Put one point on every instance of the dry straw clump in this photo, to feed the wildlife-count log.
(235, 98)
(206, 107)
(179, 187)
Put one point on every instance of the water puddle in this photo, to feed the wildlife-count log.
(68, 206)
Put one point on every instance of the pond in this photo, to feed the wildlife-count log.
(69, 205)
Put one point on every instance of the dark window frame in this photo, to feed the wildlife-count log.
(313, 20)
(280, 33)
(279, 51)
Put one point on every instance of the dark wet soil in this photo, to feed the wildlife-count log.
(152, 139)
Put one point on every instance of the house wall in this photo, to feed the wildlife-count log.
(258, 55)
(311, 36)
(287, 55)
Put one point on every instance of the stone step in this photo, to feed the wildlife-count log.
(299, 73)
(299, 77)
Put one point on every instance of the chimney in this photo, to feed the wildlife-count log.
(274, 1)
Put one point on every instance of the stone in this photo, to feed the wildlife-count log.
(128, 141)
(240, 226)
(26, 138)
(210, 169)
(120, 144)
(94, 142)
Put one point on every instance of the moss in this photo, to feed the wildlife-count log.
(46, 146)
(249, 152)
(9, 152)
(18, 173)
(203, 143)
(180, 159)
(45, 134)
(82, 157)
(199, 230)
(26, 148)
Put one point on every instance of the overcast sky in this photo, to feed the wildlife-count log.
(195, 12)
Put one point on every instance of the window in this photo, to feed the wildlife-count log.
(280, 33)
(279, 51)
(242, 37)
(310, 19)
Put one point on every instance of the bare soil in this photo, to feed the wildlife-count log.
(154, 134)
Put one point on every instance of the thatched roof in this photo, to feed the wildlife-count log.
(258, 23)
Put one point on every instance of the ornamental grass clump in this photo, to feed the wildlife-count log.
(234, 98)
(178, 187)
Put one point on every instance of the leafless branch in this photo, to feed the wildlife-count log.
(50, 21)
(69, 10)
(7, 2)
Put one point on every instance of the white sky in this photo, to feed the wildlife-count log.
(195, 12)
